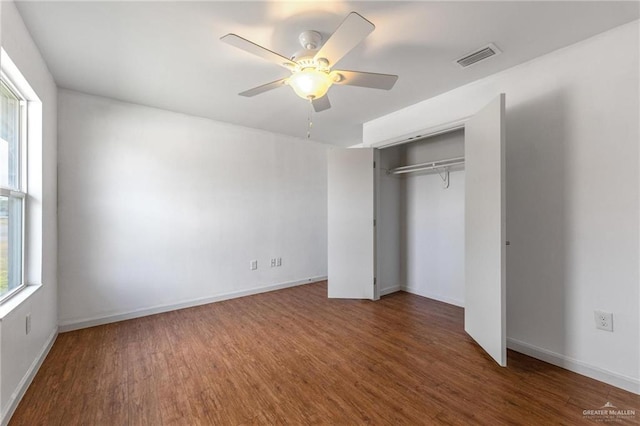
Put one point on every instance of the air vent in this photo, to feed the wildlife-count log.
(479, 55)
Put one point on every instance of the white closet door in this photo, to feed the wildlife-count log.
(351, 257)
(485, 314)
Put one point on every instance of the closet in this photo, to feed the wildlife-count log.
(420, 218)
(383, 234)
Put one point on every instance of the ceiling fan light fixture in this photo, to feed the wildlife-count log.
(310, 83)
(311, 74)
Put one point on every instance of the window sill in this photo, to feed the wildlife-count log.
(18, 299)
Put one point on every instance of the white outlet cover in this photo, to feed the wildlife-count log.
(604, 320)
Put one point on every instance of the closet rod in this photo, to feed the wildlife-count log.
(427, 166)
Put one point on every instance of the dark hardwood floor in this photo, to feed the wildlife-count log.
(295, 357)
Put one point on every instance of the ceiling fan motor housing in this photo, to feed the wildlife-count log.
(305, 58)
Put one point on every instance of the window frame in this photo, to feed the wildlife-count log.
(20, 191)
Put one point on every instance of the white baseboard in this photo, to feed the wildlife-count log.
(624, 382)
(17, 395)
(389, 290)
(416, 291)
(76, 324)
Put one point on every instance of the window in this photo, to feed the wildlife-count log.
(12, 187)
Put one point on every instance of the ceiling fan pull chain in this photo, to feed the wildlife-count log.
(309, 122)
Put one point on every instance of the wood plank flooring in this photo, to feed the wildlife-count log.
(295, 357)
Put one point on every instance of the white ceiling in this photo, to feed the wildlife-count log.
(168, 54)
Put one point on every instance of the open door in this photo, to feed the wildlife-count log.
(351, 256)
(485, 310)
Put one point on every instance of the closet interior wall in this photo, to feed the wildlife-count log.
(420, 224)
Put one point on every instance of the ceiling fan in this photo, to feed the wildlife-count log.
(311, 73)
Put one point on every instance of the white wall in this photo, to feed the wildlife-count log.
(160, 210)
(572, 198)
(434, 221)
(434, 256)
(19, 352)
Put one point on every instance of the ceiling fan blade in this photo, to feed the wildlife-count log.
(251, 47)
(264, 88)
(321, 104)
(365, 79)
(349, 34)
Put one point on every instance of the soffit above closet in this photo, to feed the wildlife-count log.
(168, 54)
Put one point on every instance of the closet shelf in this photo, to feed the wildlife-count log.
(427, 166)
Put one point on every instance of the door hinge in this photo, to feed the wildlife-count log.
(375, 280)
(374, 222)
(374, 164)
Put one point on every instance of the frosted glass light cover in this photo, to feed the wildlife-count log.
(310, 83)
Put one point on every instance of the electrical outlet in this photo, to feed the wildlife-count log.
(279, 261)
(604, 320)
(253, 265)
(27, 322)
(273, 262)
